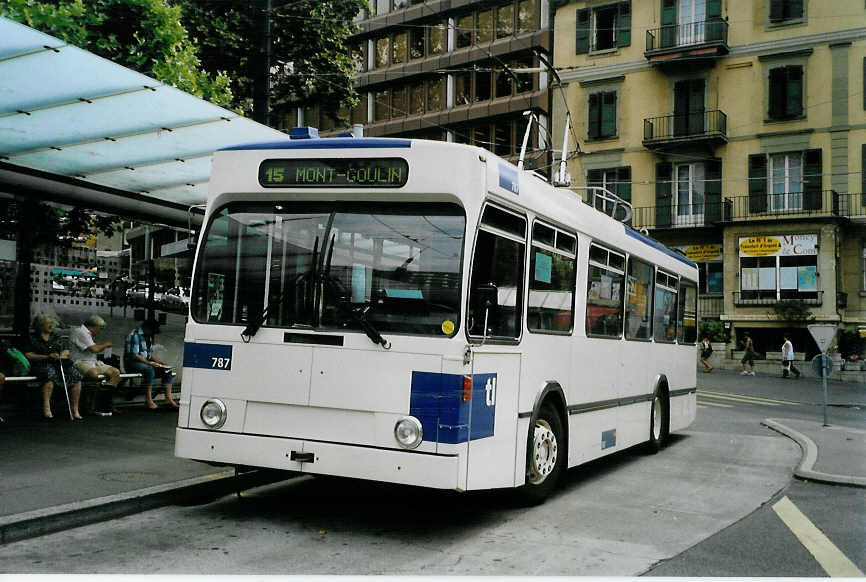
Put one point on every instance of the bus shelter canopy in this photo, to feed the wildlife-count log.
(71, 121)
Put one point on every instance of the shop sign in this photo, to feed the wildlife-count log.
(702, 253)
(788, 245)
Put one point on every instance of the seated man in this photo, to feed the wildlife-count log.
(138, 357)
(85, 349)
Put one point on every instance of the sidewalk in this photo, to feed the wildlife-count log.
(63, 474)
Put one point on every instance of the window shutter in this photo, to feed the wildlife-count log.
(863, 175)
(713, 191)
(714, 9)
(608, 114)
(594, 116)
(794, 91)
(777, 10)
(581, 33)
(623, 24)
(777, 93)
(757, 183)
(664, 173)
(714, 17)
(623, 186)
(812, 178)
(669, 21)
(795, 9)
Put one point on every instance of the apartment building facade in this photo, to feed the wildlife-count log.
(452, 70)
(737, 130)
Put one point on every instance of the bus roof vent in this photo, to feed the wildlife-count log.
(305, 132)
(607, 202)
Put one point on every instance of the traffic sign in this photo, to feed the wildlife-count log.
(822, 361)
(823, 334)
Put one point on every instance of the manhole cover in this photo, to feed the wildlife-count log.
(127, 476)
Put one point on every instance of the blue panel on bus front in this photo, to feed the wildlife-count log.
(207, 356)
(325, 144)
(437, 401)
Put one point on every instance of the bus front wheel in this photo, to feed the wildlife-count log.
(545, 456)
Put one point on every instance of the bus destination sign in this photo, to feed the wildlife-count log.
(334, 173)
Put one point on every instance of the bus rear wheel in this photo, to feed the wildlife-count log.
(545, 456)
(658, 423)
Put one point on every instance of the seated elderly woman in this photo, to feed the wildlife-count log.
(47, 354)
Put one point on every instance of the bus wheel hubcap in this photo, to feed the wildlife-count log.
(544, 452)
(657, 418)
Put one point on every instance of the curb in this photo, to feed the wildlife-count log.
(810, 455)
(40, 522)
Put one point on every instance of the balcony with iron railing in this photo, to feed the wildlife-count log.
(686, 129)
(715, 210)
(711, 306)
(706, 39)
(770, 298)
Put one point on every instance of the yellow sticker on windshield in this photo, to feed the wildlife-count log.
(447, 327)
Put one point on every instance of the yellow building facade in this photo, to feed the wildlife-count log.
(737, 130)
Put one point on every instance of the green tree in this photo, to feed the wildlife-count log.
(144, 35)
(310, 59)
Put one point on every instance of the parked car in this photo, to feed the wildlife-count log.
(176, 298)
(137, 294)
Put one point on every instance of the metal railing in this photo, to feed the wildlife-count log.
(711, 305)
(759, 298)
(689, 126)
(827, 203)
(676, 36)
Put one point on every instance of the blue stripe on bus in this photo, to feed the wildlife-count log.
(437, 401)
(657, 245)
(325, 144)
(207, 356)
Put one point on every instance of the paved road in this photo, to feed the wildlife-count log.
(696, 508)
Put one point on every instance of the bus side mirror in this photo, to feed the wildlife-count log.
(487, 296)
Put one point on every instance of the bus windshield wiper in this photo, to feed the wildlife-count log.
(359, 314)
(253, 327)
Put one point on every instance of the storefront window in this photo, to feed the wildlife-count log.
(779, 267)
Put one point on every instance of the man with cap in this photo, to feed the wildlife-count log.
(138, 357)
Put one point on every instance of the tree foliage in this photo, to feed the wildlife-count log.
(144, 35)
(310, 59)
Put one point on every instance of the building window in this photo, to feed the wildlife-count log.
(503, 138)
(382, 105)
(399, 102)
(505, 21)
(503, 83)
(863, 264)
(463, 88)
(785, 10)
(790, 272)
(711, 276)
(527, 19)
(416, 43)
(416, 99)
(382, 50)
(484, 32)
(786, 182)
(689, 200)
(602, 115)
(436, 94)
(465, 30)
(482, 85)
(398, 48)
(602, 28)
(615, 180)
(438, 40)
(786, 92)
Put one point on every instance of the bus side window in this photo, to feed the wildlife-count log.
(688, 312)
(638, 323)
(665, 312)
(604, 293)
(496, 288)
(551, 285)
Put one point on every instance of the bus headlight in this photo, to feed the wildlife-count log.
(408, 432)
(213, 413)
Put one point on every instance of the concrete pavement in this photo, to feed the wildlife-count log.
(61, 474)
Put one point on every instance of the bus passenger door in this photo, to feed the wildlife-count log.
(492, 432)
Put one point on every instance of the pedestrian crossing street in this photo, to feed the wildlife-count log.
(726, 400)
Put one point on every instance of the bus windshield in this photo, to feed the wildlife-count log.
(320, 265)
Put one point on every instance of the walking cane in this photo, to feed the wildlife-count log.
(65, 388)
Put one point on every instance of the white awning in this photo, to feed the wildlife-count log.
(75, 119)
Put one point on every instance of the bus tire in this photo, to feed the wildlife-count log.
(658, 422)
(545, 456)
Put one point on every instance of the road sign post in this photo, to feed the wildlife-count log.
(823, 334)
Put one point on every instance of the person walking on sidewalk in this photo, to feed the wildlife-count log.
(748, 356)
(706, 352)
(788, 358)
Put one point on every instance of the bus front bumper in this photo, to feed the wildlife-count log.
(314, 457)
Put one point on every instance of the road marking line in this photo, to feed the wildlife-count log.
(831, 559)
(741, 400)
(743, 396)
(719, 404)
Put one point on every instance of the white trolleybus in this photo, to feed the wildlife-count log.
(423, 313)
